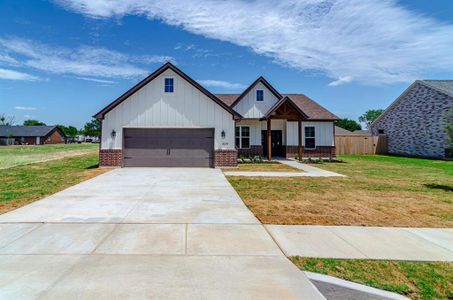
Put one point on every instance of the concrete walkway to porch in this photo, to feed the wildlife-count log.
(356, 242)
(306, 171)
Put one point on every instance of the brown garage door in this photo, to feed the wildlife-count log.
(146, 147)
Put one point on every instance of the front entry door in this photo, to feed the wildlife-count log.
(276, 142)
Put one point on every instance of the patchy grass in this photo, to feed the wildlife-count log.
(263, 167)
(11, 156)
(24, 184)
(379, 191)
(417, 280)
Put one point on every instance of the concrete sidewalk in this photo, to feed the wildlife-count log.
(390, 243)
(306, 171)
(144, 233)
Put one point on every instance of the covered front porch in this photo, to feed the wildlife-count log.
(284, 132)
(285, 110)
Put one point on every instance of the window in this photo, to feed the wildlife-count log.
(242, 137)
(380, 131)
(169, 85)
(259, 95)
(310, 142)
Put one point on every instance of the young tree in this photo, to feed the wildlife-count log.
(349, 124)
(34, 123)
(92, 128)
(6, 120)
(369, 116)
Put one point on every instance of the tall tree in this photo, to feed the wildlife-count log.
(369, 116)
(34, 123)
(92, 128)
(6, 120)
(349, 124)
(69, 131)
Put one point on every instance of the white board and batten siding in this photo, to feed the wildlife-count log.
(249, 108)
(257, 126)
(151, 107)
(324, 135)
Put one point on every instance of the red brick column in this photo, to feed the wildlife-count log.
(226, 158)
(110, 158)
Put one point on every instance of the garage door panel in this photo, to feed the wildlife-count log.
(168, 147)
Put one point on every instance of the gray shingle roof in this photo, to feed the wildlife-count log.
(25, 131)
(445, 86)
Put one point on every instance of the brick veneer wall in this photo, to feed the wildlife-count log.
(110, 157)
(320, 151)
(253, 151)
(226, 158)
(415, 126)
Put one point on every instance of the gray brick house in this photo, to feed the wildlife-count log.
(415, 122)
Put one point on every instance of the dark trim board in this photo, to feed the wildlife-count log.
(266, 84)
(138, 86)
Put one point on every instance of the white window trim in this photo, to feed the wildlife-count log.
(305, 137)
(174, 85)
(256, 95)
(240, 137)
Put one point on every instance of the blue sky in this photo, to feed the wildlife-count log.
(61, 61)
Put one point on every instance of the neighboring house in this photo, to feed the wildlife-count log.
(31, 135)
(344, 132)
(415, 122)
(168, 119)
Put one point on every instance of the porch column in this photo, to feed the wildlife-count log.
(299, 147)
(269, 140)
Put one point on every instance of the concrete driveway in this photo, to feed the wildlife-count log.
(144, 233)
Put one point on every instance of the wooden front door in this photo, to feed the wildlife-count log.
(277, 142)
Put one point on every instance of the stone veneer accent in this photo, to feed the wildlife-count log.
(415, 126)
(226, 158)
(320, 151)
(253, 151)
(110, 157)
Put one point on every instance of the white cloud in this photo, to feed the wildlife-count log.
(371, 41)
(25, 108)
(97, 80)
(82, 61)
(341, 80)
(222, 84)
(15, 75)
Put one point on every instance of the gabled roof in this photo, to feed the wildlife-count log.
(342, 131)
(442, 86)
(27, 131)
(313, 110)
(282, 101)
(247, 90)
(138, 86)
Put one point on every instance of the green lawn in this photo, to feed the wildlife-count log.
(379, 191)
(416, 280)
(24, 184)
(11, 156)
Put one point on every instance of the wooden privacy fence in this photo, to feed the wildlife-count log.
(360, 144)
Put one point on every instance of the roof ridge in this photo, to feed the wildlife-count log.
(437, 88)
